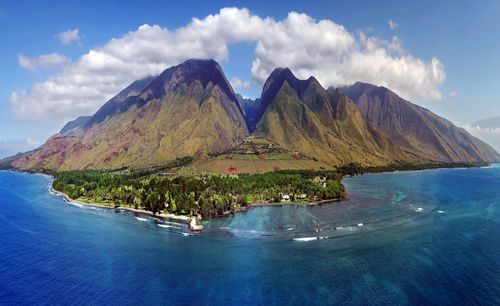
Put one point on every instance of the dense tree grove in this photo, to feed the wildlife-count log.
(209, 195)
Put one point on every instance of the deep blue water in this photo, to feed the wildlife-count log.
(428, 237)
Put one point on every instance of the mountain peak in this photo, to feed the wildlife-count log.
(275, 82)
(204, 71)
(279, 76)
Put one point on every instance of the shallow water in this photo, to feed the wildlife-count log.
(402, 238)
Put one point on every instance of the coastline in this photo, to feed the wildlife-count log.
(170, 217)
(187, 220)
(164, 217)
(313, 203)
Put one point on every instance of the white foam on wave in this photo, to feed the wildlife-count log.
(420, 209)
(305, 239)
(290, 229)
(73, 203)
(168, 226)
(142, 219)
(186, 234)
(441, 211)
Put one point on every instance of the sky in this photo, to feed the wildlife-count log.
(62, 59)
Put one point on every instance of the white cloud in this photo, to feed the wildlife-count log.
(321, 48)
(46, 61)
(32, 142)
(237, 84)
(393, 24)
(337, 57)
(70, 36)
(452, 94)
(10, 147)
(489, 135)
(479, 129)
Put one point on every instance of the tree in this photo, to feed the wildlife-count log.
(205, 206)
(154, 203)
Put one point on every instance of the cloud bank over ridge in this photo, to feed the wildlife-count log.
(323, 48)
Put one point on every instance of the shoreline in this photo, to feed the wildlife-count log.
(163, 217)
(313, 203)
(280, 204)
(187, 220)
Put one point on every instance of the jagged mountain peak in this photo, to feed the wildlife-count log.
(204, 71)
(275, 83)
(172, 79)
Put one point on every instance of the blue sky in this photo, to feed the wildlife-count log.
(461, 38)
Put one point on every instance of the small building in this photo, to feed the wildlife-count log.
(302, 196)
(286, 197)
(232, 171)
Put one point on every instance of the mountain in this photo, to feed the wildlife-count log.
(417, 130)
(488, 130)
(84, 122)
(489, 123)
(111, 107)
(301, 115)
(250, 108)
(189, 109)
(74, 125)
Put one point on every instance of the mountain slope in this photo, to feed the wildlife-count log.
(111, 107)
(416, 129)
(301, 115)
(190, 109)
(74, 125)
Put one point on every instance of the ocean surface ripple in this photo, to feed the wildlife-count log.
(423, 237)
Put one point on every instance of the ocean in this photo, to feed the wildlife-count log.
(423, 237)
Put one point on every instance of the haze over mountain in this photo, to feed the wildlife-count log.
(192, 110)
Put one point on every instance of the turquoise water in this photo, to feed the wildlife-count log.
(428, 237)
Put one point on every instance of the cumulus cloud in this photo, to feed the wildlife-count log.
(69, 37)
(393, 24)
(337, 57)
(321, 48)
(237, 83)
(46, 61)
